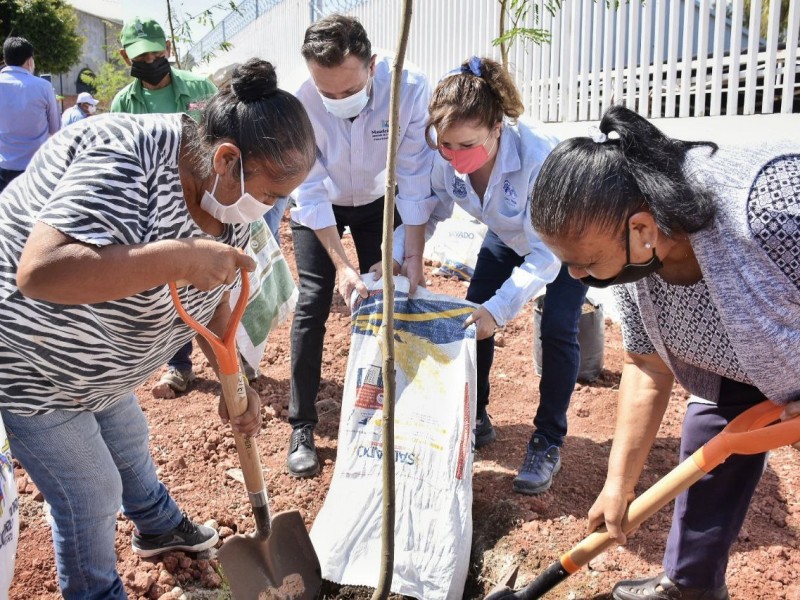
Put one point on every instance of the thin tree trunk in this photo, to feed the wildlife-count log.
(387, 331)
(503, 44)
(172, 35)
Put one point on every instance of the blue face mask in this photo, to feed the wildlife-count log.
(630, 272)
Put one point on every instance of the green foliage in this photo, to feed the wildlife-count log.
(110, 78)
(784, 19)
(515, 12)
(50, 25)
(181, 31)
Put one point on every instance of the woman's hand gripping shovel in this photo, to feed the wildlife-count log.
(278, 561)
(749, 433)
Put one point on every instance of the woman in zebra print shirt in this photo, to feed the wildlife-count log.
(108, 212)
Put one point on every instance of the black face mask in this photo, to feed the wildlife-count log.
(630, 272)
(151, 73)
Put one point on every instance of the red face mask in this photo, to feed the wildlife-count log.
(467, 160)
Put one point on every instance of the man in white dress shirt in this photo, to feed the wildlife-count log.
(347, 99)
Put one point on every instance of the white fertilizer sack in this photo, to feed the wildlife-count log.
(455, 244)
(434, 448)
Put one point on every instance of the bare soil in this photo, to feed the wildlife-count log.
(195, 455)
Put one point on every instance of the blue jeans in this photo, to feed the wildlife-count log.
(182, 360)
(86, 465)
(7, 177)
(561, 354)
(274, 216)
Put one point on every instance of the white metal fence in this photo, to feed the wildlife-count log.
(662, 58)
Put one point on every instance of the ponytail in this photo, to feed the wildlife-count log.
(480, 91)
(601, 180)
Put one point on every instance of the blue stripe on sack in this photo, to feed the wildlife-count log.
(437, 321)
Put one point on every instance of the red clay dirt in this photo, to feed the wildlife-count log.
(195, 454)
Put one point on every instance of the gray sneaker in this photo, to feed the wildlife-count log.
(176, 379)
(187, 537)
(484, 431)
(542, 463)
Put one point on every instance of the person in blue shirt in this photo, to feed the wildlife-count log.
(85, 105)
(29, 112)
(487, 163)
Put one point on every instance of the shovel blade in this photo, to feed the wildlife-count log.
(503, 589)
(282, 566)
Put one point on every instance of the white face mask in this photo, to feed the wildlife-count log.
(91, 109)
(347, 108)
(245, 210)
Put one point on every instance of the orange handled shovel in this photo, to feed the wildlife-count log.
(749, 433)
(278, 561)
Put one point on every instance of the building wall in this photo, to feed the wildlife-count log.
(102, 40)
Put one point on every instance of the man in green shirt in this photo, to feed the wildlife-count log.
(158, 88)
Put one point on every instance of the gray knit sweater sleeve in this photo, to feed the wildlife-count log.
(634, 334)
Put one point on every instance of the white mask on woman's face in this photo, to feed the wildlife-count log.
(347, 108)
(245, 210)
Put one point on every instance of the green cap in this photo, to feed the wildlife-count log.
(140, 36)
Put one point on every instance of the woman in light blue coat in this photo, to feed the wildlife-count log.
(487, 164)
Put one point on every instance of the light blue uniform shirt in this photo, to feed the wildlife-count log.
(351, 155)
(72, 115)
(29, 114)
(505, 210)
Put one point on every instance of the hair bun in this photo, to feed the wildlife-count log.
(254, 80)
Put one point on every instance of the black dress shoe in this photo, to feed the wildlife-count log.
(302, 460)
(662, 587)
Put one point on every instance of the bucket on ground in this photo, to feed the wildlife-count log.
(591, 336)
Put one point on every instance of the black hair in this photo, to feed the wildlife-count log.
(329, 41)
(265, 122)
(585, 183)
(482, 92)
(16, 50)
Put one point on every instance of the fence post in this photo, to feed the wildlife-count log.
(719, 51)
(688, 51)
(789, 66)
(661, 34)
(703, 25)
(753, 35)
(770, 71)
(735, 52)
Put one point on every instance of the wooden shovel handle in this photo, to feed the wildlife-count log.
(235, 396)
(749, 433)
(233, 391)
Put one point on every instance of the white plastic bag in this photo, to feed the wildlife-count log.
(455, 244)
(434, 448)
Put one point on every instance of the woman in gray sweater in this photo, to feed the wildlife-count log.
(702, 245)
